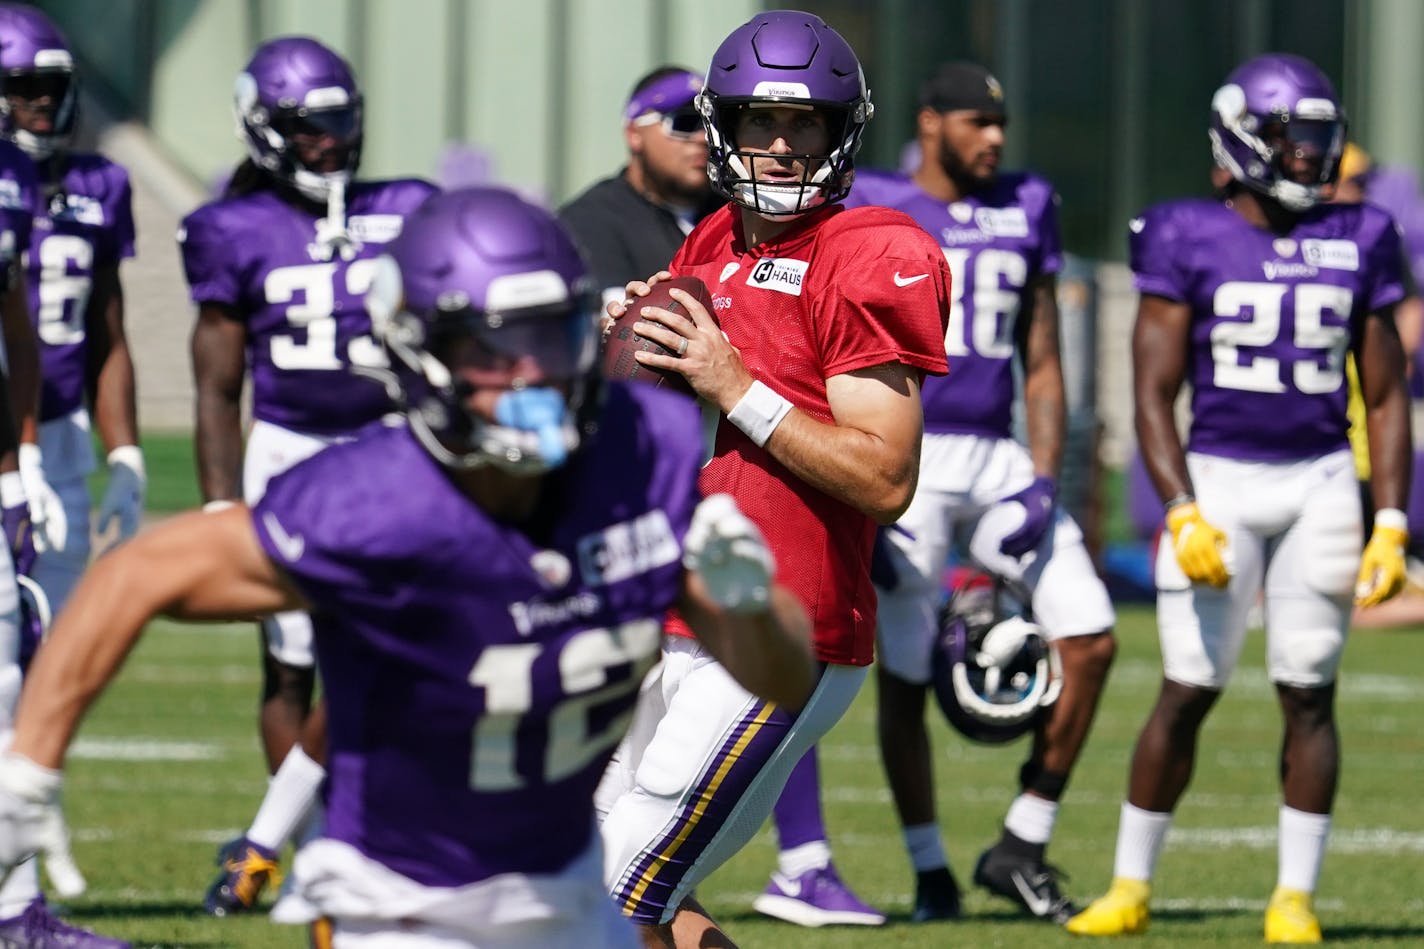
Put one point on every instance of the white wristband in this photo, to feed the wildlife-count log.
(12, 489)
(218, 504)
(128, 455)
(1392, 517)
(759, 412)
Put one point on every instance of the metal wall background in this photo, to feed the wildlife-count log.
(1108, 97)
(536, 85)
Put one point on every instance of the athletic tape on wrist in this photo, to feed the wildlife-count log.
(759, 412)
(1392, 517)
(12, 489)
(129, 455)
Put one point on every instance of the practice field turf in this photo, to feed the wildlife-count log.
(168, 767)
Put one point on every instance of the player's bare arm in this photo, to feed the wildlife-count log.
(1159, 360)
(1381, 366)
(23, 355)
(868, 458)
(110, 370)
(198, 567)
(219, 363)
(1044, 401)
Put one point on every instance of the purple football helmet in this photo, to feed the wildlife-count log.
(294, 89)
(784, 58)
(35, 64)
(1274, 108)
(993, 671)
(483, 273)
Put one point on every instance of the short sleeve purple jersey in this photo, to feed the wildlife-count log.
(303, 308)
(1272, 317)
(996, 242)
(19, 202)
(479, 675)
(84, 227)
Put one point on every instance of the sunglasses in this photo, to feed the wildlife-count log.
(684, 124)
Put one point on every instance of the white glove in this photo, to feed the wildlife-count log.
(47, 517)
(123, 498)
(31, 822)
(730, 554)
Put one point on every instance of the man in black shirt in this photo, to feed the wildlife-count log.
(629, 226)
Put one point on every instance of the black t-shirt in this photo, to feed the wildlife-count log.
(622, 234)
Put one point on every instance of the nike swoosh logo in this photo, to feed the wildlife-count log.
(906, 281)
(1037, 905)
(791, 888)
(289, 546)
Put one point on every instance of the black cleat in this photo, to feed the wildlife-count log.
(1029, 882)
(936, 896)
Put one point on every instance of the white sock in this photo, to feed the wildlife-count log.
(1030, 818)
(803, 859)
(924, 846)
(1139, 842)
(290, 795)
(20, 889)
(1301, 848)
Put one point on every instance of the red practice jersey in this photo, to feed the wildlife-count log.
(840, 291)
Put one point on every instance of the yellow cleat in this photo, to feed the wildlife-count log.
(1121, 911)
(1290, 917)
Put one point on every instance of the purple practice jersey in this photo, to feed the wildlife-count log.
(479, 675)
(996, 242)
(1272, 317)
(19, 203)
(302, 305)
(84, 227)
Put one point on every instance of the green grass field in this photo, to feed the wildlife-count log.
(168, 767)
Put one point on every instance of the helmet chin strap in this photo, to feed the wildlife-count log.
(777, 202)
(1295, 197)
(38, 147)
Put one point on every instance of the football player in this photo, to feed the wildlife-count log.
(1257, 297)
(278, 269)
(828, 320)
(84, 229)
(984, 492)
(487, 584)
(29, 45)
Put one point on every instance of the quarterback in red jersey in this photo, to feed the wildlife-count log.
(829, 320)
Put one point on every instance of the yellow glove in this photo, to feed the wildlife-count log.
(1198, 545)
(1382, 566)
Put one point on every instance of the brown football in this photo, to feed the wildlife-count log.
(621, 342)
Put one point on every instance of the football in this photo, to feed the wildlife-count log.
(621, 342)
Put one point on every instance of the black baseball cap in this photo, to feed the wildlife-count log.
(962, 85)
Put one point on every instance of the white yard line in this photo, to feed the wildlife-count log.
(146, 749)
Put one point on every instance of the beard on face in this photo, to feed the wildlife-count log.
(960, 172)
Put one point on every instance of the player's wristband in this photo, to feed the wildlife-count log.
(1186, 497)
(1393, 518)
(759, 412)
(12, 489)
(218, 504)
(128, 455)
